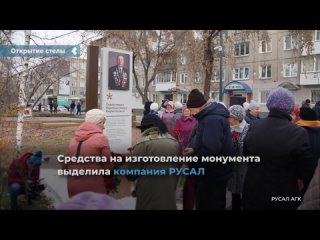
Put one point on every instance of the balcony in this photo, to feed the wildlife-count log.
(310, 78)
(165, 86)
(316, 49)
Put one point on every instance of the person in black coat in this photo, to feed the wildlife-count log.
(213, 139)
(312, 126)
(147, 107)
(285, 156)
(72, 107)
(119, 76)
(79, 108)
(316, 108)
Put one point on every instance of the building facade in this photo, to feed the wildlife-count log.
(252, 66)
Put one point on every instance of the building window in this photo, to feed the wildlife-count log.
(164, 77)
(311, 64)
(241, 49)
(216, 76)
(214, 96)
(183, 60)
(197, 78)
(288, 42)
(81, 93)
(174, 76)
(49, 92)
(184, 98)
(315, 96)
(316, 35)
(74, 74)
(241, 73)
(264, 96)
(82, 74)
(265, 71)
(290, 70)
(73, 92)
(183, 78)
(154, 98)
(82, 84)
(265, 46)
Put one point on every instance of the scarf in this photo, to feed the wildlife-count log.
(238, 128)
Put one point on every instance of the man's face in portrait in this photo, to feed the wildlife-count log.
(120, 61)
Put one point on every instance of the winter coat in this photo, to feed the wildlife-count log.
(78, 106)
(167, 118)
(213, 139)
(311, 200)
(316, 108)
(155, 192)
(177, 113)
(184, 126)
(95, 143)
(313, 130)
(250, 118)
(147, 108)
(154, 113)
(18, 171)
(235, 184)
(285, 155)
(72, 105)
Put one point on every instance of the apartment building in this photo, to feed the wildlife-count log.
(260, 65)
(252, 67)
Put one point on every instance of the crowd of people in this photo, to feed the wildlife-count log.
(287, 142)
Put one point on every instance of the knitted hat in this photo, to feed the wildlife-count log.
(246, 106)
(177, 105)
(281, 99)
(95, 116)
(91, 201)
(154, 106)
(237, 112)
(308, 114)
(195, 99)
(253, 104)
(35, 159)
(171, 104)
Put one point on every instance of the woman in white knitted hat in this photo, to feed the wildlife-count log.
(89, 140)
(253, 112)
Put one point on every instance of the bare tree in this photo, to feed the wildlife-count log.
(208, 57)
(22, 97)
(43, 76)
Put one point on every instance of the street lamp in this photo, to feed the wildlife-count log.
(220, 49)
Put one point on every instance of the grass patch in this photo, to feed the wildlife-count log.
(50, 146)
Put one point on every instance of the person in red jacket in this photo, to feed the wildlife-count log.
(23, 173)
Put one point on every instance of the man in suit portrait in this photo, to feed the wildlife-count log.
(119, 75)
